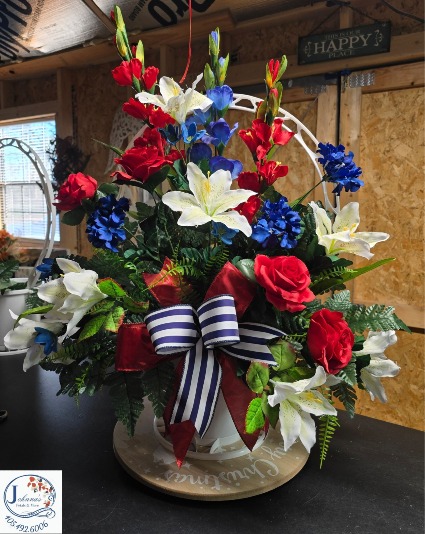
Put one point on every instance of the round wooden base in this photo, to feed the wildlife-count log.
(262, 470)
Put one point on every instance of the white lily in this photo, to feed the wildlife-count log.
(176, 102)
(380, 366)
(341, 236)
(297, 401)
(23, 336)
(73, 294)
(211, 200)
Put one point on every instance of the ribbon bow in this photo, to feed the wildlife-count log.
(199, 332)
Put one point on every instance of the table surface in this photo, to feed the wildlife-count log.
(372, 481)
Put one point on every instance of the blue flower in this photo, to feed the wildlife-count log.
(279, 225)
(226, 234)
(214, 35)
(200, 151)
(45, 268)
(105, 224)
(221, 96)
(47, 338)
(171, 134)
(233, 165)
(219, 133)
(190, 133)
(340, 168)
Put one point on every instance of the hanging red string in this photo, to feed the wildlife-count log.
(189, 52)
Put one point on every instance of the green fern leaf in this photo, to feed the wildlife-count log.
(348, 374)
(327, 426)
(376, 317)
(127, 399)
(347, 395)
(158, 384)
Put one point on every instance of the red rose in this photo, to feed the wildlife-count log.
(330, 340)
(139, 163)
(76, 188)
(123, 74)
(286, 280)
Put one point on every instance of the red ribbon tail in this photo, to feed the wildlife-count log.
(237, 396)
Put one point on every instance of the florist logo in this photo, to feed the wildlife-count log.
(30, 495)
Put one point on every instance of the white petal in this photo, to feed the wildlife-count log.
(323, 222)
(197, 80)
(179, 201)
(199, 185)
(53, 292)
(68, 266)
(284, 390)
(290, 424)
(22, 336)
(147, 98)
(33, 356)
(84, 285)
(313, 402)
(234, 220)
(377, 342)
(197, 100)
(355, 246)
(348, 218)
(193, 217)
(382, 368)
(229, 200)
(373, 385)
(307, 431)
(372, 237)
(169, 88)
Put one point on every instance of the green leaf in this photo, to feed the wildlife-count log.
(254, 419)
(353, 273)
(127, 399)
(38, 310)
(74, 217)
(347, 395)
(284, 355)
(113, 148)
(92, 327)
(135, 306)
(108, 189)
(7, 269)
(348, 374)
(327, 426)
(272, 413)
(158, 386)
(246, 267)
(109, 287)
(114, 319)
(101, 307)
(155, 179)
(257, 376)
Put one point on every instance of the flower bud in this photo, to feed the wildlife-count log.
(209, 77)
(118, 19)
(221, 69)
(140, 53)
(214, 43)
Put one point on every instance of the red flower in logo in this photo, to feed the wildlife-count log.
(330, 340)
(76, 188)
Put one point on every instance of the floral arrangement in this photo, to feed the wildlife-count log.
(220, 282)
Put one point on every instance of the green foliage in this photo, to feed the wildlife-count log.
(348, 374)
(347, 395)
(7, 270)
(74, 217)
(254, 419)
(272, 413)
(127, 399)
(339, 302)
(327, 426)
(158, 385)
(218, 256)
(284, 355)
(257, 376)
(376, 317)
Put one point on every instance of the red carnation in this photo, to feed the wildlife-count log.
(249, 180)
(76, 188)
(286, 280)
(123, 74)
(330, 340)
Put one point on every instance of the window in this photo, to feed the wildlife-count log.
(23, 210)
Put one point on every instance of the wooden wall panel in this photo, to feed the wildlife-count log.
(34, 91)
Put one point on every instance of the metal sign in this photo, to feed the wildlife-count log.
(345, 43)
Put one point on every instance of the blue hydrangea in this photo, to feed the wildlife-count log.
(224, 233)
(279, 225)
(45, 268)
(47, 339)
(340, 168)
(105, 224)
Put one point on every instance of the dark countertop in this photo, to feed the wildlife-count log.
(372, 481)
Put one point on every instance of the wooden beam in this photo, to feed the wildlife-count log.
(6, 95)
(397, 77)
(30, 111)
(104, 19)
(166, 60)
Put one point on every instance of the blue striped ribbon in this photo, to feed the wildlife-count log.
(178, 328)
